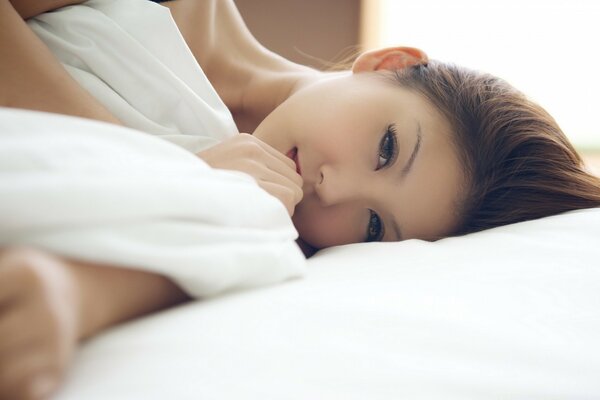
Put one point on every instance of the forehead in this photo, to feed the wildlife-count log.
(380, 89)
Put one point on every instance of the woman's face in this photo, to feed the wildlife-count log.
(376, 160)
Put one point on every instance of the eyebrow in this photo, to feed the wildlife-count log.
(405, 171)
(411, 160)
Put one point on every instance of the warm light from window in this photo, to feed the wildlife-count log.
(546, 48)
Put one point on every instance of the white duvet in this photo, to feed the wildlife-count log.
(130, 55)
(114, 195)
(109, 194)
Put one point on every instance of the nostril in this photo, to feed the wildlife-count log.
(321, 178)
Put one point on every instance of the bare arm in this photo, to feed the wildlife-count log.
(110, 295)
(48, 303)
(31, 77)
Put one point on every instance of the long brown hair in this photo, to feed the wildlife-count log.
(518, 163)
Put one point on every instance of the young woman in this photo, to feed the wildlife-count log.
(399, 147)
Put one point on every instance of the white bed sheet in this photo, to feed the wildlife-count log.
(510, 313)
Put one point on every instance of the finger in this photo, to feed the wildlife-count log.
(276, 154)
(264, 174)
(284, 169)
(236, 152)
(268, 173)
(284, 193)
(282, 166)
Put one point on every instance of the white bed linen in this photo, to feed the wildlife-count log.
(109, 194)
(129, 200)
(130, 55)
(510, 313)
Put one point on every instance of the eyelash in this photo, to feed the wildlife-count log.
(388, 150)
(375, 228)
(389, 139)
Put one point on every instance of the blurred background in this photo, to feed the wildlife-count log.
(546, 48)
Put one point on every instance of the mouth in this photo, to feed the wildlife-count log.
(293, 155)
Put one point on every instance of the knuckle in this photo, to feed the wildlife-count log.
(251, 149)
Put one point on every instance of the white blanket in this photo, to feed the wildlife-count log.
(130, 55)
(100, 192)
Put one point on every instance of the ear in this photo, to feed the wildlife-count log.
(390, 58)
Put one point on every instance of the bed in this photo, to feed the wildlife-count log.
(509, 313)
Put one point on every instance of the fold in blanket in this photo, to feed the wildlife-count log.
(108, 194)
(113, 195)
(131, 56)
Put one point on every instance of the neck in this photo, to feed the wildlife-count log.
(254, 85)
(264, 93)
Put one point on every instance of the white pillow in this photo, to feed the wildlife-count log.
(509, 313)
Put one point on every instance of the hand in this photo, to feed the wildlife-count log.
(273, 171)
(38, 323)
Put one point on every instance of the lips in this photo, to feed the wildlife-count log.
(293, 154)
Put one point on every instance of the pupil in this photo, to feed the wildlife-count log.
(387, 147)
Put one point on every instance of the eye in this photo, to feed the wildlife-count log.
(375, 229)
(388, 148)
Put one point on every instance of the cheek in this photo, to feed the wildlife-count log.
(326, 127)
(326, 227)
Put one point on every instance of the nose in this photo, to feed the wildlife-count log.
(337, 186)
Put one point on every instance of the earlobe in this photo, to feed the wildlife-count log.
(390, 58)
